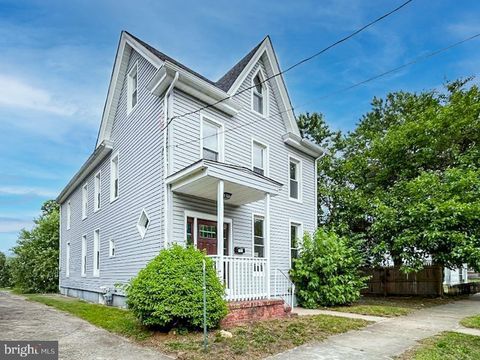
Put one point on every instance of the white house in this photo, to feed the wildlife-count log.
(183, 159)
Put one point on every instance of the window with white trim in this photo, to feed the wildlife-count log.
(258, 236)
(67, 261)
(295, 236)
(84, 255)
(258, 94)
(132, 88)
(143, 223)
(96, 253)
(210, 140)
(295, 185)
(98, 192)
(69, 215)
(85, 201)
(259, 158)
(114, 189)
(111, 250)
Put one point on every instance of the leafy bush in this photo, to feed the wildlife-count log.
(168, 292)
(327, 271)
(34, 266)
(5, 276)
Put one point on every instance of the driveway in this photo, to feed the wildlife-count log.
(388, 338)
(25, 320)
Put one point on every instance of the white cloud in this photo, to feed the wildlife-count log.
(15, 92)
(9, 225)
(25, 190)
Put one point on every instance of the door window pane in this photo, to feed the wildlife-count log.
(258, 238)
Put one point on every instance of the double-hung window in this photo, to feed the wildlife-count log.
(211, 140)
(258, 94)
(111, 250)
(96, 253)
(85, 201)
(84, 255)
(114, 177)
(132, 88)
(98, 191)
(295, 234)
(259, 158)
(258, 236)
(295, 185)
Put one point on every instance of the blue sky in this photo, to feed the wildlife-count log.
(56, 58)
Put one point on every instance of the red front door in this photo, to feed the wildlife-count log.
(207, 237)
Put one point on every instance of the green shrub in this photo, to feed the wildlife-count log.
(168, 292)
(327, 271)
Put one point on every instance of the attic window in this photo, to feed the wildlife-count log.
(258, 95)
(143, 222)
(132, 88)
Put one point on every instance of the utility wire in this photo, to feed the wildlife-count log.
(338, 42)
(370, 79)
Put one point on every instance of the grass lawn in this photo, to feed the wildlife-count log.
(446, 346)
(248, 342)
(471, 322)
(390, 306)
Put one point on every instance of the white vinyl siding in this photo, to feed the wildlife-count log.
(97, 201)
(84, 201)
(96, 253)
(114, 178)
(84, 256)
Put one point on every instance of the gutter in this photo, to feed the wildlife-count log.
(101, 151)
(303, 145)
(166, 164)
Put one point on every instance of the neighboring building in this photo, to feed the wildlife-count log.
(235, 179)
(455, 276)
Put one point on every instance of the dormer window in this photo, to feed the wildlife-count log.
(258, 94)
(132, 87)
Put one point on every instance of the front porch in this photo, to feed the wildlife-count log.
(243, 264)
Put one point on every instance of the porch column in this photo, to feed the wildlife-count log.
(267, 242)
(220, 191)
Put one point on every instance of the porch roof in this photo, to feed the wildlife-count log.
(200, 179)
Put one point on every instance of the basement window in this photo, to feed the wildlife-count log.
(143, 223)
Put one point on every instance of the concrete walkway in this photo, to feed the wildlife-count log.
(24, 320)
(389, 338)
(306, 312)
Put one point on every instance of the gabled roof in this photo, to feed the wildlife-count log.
(227, 80)
(165, 57)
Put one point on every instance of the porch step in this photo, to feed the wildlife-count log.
(244, 312)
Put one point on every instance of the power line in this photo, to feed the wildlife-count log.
(338, 42)
(370, 79)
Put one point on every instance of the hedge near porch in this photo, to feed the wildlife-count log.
(168, 292)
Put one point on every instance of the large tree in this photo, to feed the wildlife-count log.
(35, 263)
(406, 181)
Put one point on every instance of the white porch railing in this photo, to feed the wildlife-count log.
(284, 287)
(245, 278)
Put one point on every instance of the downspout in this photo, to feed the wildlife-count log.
(166, 166)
